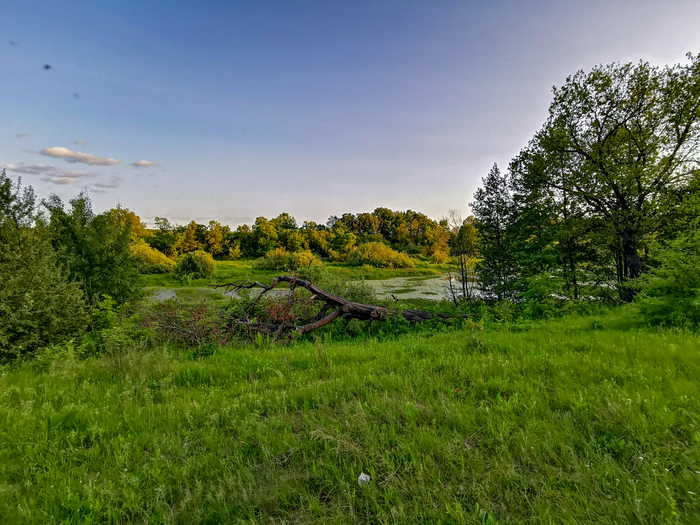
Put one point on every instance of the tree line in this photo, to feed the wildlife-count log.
(407, 231)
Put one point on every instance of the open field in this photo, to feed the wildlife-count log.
(577, 420)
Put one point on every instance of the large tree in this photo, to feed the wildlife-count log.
(494, 212)
(95, 250)
(621, 140)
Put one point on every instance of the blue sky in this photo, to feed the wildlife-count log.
(313, 108)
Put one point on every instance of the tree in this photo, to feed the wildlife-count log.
(163, 239)
(95, 250)
(38, 304)
(191, 238)
(465, 249)
(493, 209)
(125, 216)
(216, 236)
(264, 235)
(284, 221)
(627, 136)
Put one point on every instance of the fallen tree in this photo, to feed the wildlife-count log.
(284, 317)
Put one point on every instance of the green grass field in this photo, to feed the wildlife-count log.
(578, 420)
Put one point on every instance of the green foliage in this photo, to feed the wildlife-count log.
(191, 238)
(620, 144)
(38, 305)
(281, 259)
(195, 265)
(116, 330)
(440, 257)
(150, 259)
(494, 211)
(95, 250)
(671, 291)
(540, 299)
(472, 426)
(379, 255)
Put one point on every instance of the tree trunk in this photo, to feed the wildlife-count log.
(632, 261)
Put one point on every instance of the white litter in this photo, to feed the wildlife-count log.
(364, 479)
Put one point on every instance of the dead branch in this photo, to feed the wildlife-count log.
(298, 316)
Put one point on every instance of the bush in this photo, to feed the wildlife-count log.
(379, 255)
(670, 293)
(440, 257)
(281, 259)
(276, 259)
(150, 259)
(195, 265)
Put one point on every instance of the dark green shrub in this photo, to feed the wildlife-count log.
(38, 305)
(195, 265)
(670, 293)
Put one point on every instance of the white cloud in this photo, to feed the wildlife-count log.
(76, 156)
(143, 164)
(61, 180)
(31, 169)
(81, 141)
(51, 173)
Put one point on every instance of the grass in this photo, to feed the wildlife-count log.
(578, 420)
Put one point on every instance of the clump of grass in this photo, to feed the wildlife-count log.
(557, 422)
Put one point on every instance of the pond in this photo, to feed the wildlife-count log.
(430, 287)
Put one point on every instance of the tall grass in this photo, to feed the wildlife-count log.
(578, 420)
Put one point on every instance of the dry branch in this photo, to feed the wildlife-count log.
(330, 307)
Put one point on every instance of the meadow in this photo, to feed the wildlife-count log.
(582, 419)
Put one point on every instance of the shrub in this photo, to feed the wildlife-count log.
(281, 259)
(195, 265)
(670, 293)
(336, 256)
(379, 255)
(150, 259)
(440, 257)
(233, 253)
(276, 259)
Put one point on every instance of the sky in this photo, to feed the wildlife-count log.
(230, 110)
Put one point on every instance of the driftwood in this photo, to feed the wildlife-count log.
(301, 315)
